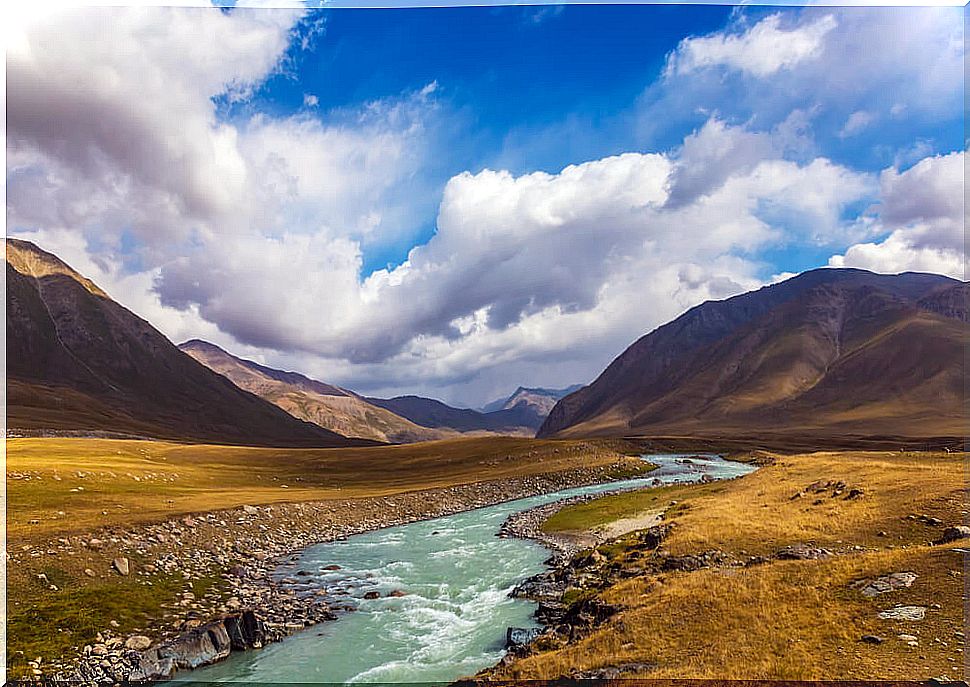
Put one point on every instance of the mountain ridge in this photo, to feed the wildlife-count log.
(77, 361)
(792, 354)
(326, 405)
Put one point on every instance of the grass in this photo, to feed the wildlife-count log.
(784, 619)
(72, 487)
(77, 484)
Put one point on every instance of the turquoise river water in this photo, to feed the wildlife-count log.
(457, 575)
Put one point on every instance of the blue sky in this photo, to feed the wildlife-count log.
(456, 201)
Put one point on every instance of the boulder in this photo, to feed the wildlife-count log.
(887, 583)
(955, 533)
(245, 631)
(138, 643)
(151, 667)
(903, 613)
(202, 646)
(372, 595)
(802, 552)
(518, 637)
(121, 565)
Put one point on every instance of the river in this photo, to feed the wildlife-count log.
(456, 575)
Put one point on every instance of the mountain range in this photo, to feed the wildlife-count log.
(79, 362)
(830, 353)
(329, 406)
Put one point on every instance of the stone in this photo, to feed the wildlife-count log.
(955, 533)
(372, 595)
(802, 552)
(907, 638)
(202, 646)
(138, 643)
(903, 613)
(250, 510)
(95, 544)
(89, 572)
(121, 565)
(518, 637)
(887, 583)
(329, 568)
(397, 593)
(872, 639)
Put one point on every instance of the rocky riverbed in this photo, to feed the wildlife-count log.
(242, 554)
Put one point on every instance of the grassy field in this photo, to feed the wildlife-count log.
(61, 490)
(60, 486)
(784, 619)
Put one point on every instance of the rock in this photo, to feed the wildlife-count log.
(397, 593)
(872, 639)
(903, 613)
(854, 494)
(519, 637)
(121, 565)
(329, 568)
(955, 533)
(887, 583)
(152, 667)
(202, 646)
(907, 638)
(89, 572)
(372, 595)
(138, 643)
(250, 510)
(95, 544)
(245, 631)
(802, 552)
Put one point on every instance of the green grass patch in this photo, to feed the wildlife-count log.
(585, 516)
(48, 624)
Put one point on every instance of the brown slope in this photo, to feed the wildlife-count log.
(78, 361)
(308, 399)
(818, 352)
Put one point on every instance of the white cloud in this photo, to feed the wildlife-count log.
(857, 122)
(760, 50)
(252, 232)
(923, 213)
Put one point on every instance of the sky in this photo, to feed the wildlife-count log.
(458, 201)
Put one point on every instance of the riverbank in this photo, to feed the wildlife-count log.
(222, 565)
(817, 566)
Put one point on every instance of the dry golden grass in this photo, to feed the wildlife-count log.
(792, 619)
(77, 484)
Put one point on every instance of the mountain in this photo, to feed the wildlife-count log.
(541, 399)
(77, 361)
(830, 353)
(329, 406)
(431, 413)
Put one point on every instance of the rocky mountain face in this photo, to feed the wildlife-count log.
(79, 362)
(323, 404)
(831, 352)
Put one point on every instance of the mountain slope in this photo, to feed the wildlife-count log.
(829, 352)
(323, 404)
(78, 361)
(429, 412)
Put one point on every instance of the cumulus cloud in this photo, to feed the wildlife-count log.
(923, 212)
(760, 50)
(253, 232)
